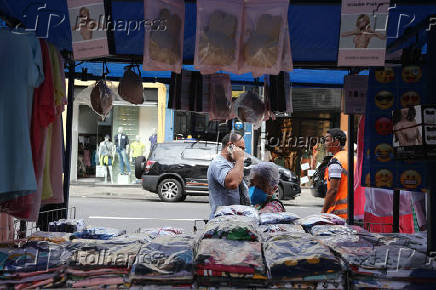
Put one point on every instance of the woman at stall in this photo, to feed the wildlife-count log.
(264, 182)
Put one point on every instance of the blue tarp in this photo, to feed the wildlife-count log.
(314, 32)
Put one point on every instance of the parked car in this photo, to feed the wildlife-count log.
(177, 169)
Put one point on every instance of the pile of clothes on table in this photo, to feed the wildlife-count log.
(35, 264)
(229, 252)
(388, 261)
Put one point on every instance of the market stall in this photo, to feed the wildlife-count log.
(233, 250)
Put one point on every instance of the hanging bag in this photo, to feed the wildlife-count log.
(219, 25)
(130, 87)
(101, 99)
(262, 38)
(163, 49)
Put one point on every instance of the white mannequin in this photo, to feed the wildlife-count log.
(106, 148)
(142, 153)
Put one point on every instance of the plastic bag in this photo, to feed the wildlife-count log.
(286, 64)
(98, 233)
(166, 259)
(320, 219)
(154, 233)
(220, 97)
(269, 231)
(229, 257)
(299, 256)
(233, 227)
(130, 87)
(163, 50)
(248, 107)
(263, 33)
(101, 98)
(53, 237)
(278, 218)
(67, 226)
(219, 26)
(241, 210)
(332, 230)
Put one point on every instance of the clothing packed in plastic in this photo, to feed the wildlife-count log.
(238, 248)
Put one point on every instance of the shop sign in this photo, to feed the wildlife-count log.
(88, 28)
(355, 90)
(362, 40)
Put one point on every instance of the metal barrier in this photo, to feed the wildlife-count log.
(24, 229)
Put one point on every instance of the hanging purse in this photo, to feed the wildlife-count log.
(130, 87)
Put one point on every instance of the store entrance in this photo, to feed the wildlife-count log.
(91, 132)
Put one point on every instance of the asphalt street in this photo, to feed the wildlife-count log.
(134, 208)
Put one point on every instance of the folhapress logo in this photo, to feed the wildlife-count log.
(40, 19)
(431, 23)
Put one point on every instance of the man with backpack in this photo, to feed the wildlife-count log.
(336, 175)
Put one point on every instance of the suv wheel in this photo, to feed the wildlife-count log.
(280, 193)
(170, 190)
(139, 166)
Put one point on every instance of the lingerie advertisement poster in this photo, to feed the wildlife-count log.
(396, 117)
(362, 40)
(88, 28)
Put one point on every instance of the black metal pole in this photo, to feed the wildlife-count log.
(396, 212)
(431, 201)
(350, 197)
(69, 132)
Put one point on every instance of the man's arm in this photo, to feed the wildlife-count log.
(236, 174)
(330, 196)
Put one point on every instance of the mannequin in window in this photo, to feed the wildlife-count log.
(122, 145)
(137, 148)
(105, 154)
(153, 138)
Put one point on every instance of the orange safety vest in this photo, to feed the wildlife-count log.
(340, 207)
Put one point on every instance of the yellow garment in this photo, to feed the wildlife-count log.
(104, 160)
(137, 149)
(59, 87)
(47, 190)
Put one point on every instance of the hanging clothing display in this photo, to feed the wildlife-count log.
(23, 54)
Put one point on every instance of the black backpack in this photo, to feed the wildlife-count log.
(319, 182)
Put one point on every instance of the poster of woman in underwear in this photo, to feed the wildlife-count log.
(407, 127)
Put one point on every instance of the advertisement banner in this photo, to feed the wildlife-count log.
(88, 28)
(362, 39)
(355, 90)
(394, 93)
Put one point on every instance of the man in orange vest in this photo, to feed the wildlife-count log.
(335, 200)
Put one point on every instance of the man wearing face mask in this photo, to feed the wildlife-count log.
(264, 182)
(225, 174)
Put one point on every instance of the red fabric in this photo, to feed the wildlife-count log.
(43, 111)
(372, 223)
(359, 191)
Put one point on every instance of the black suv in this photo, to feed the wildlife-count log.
(177, 169)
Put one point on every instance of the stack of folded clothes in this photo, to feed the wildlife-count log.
(297, 259)
(239, 210)
(320, 219)
(67, 225)
(269, 231)
(388, 261)
(97, 263)
(35, 265)
(97, 233)
(278, 218)
(230, 263)
(229, 253)
(167, 260)
(237, 228)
